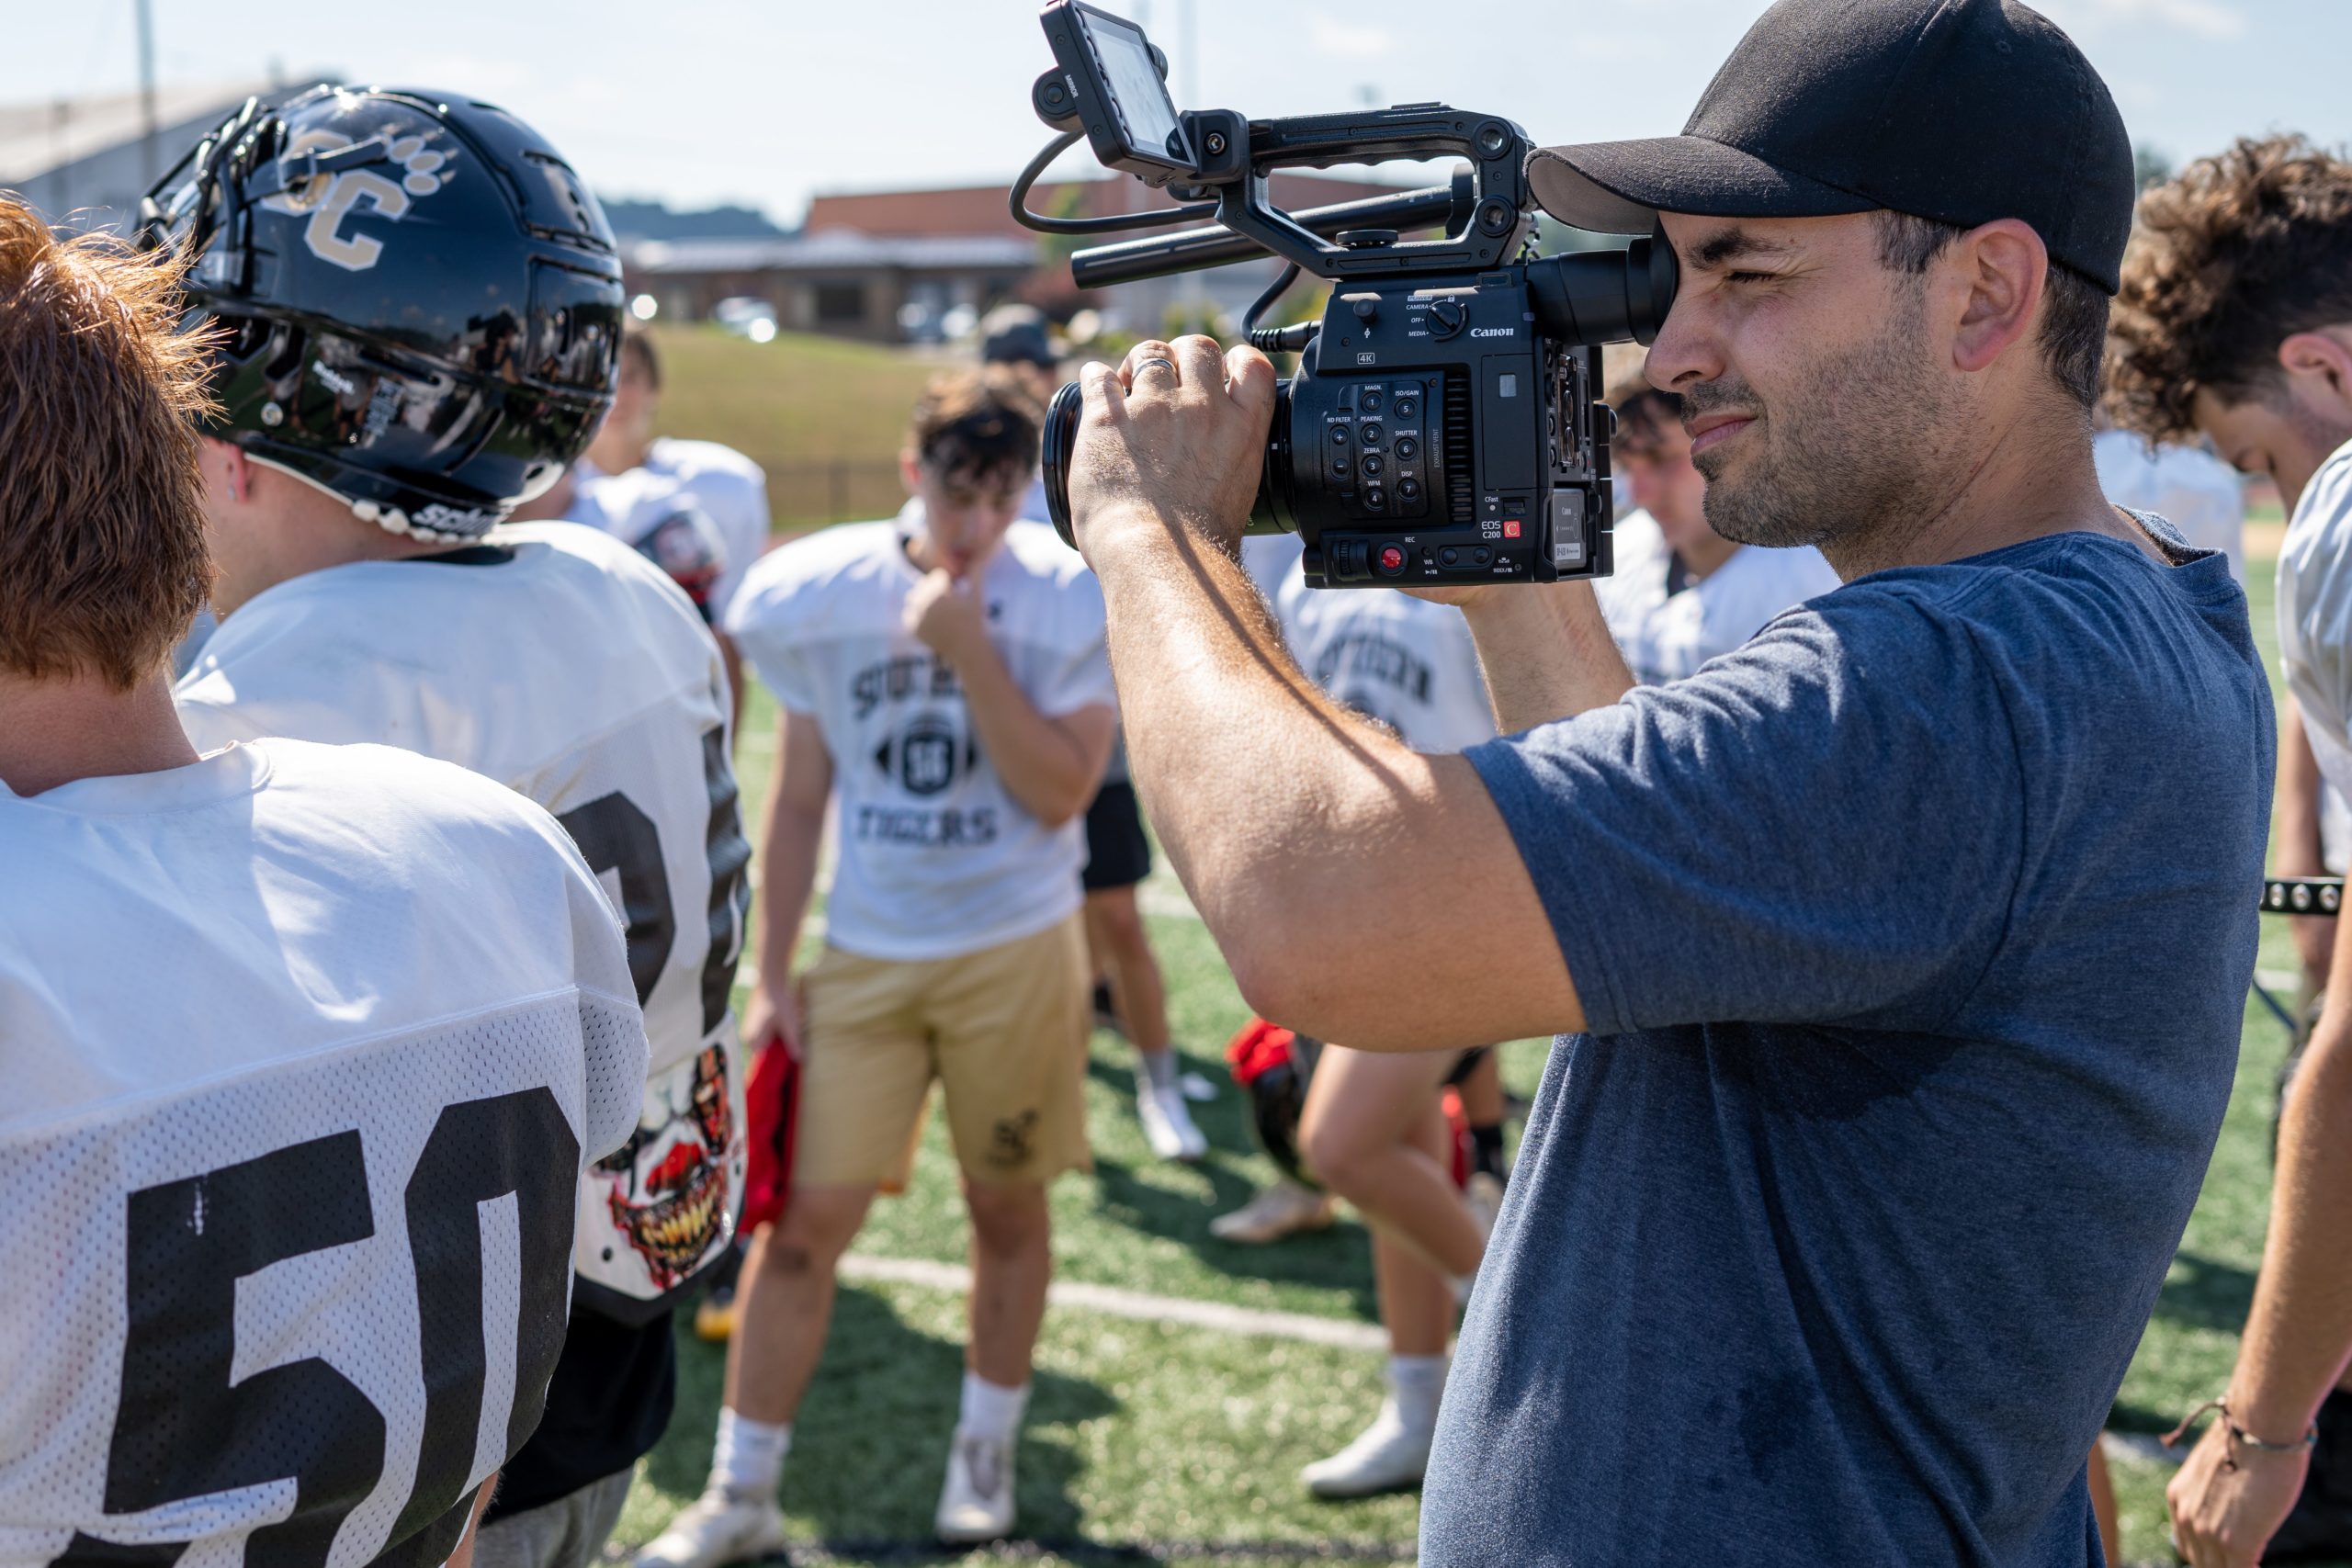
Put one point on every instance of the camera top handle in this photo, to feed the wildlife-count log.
(1496, 149)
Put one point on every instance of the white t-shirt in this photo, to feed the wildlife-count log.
(1403, 662)
(564, 665)
(307, 1049)
(731, 489)
(2315, 614)
(936, 858)
(1666, 635)
(2198, 494)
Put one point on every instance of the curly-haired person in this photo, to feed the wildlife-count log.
(2235, 321)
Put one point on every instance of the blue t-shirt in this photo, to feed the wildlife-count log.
(1913, 938)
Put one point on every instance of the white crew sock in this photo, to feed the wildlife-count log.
(1419, 1384)
(749, 1459)
(1159, 1068)
(991, 1410)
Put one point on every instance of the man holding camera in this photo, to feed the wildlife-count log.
(1833, 1232)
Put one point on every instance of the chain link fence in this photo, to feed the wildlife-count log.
(805, 493)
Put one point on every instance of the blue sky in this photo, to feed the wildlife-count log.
(766, 101)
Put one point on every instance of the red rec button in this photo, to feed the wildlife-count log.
(1511, 527)
(1391, 559)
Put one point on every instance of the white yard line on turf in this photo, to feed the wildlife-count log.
(1113, 1301)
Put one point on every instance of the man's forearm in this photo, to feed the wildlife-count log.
(1042, 767)
(1546, 653)
(1217, 713)
(2298, 1334)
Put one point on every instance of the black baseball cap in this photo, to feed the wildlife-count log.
(1959, 111)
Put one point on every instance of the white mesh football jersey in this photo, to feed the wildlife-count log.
(731, 489)
(307, 1048)
(1405, 661)
(936, 858)
(1666, 635)
(560, 662)
(2315, 614)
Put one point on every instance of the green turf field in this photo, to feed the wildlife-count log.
(1153, 1443)
(822, 416)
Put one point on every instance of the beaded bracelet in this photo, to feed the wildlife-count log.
(2238, 1436)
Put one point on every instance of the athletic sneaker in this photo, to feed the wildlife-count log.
(976, 1502)
(1284, 1209)
(714, 1316)
(1388, 1457)
(720, 1526)
(1167, 1121)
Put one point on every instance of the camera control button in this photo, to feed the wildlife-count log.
(1390, 562)
(1339, 435)
(1372, 466)
(1372, 435)
(1447, 318)
(1409, 489)
(1340, 466)
(1369, 399)
(1449, 556)
(1407, 448)
(1481, 555)
(1375, 499)
(1407, 407)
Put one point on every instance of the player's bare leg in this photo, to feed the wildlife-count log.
(1417, 1308)
(1116, 940)
(1361, 1135)
(785, 1304)
(1012, 1265)
(786, 1298)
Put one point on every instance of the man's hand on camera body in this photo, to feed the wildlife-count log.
(1172, 439)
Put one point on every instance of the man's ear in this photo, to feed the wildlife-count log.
(2006, 269)
(228, 473)
(2319, 374)
(910, 469)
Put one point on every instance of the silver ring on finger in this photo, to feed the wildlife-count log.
(1158, 359)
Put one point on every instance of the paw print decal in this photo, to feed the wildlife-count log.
(417, 169)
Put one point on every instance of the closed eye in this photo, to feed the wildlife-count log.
(1749, 276)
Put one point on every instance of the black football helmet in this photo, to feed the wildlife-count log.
(420, 304)
(1278, 1102)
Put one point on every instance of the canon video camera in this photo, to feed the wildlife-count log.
(1444, 424)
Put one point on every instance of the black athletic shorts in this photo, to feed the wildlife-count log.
(1118, 854)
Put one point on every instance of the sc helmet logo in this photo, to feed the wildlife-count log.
(331, 199)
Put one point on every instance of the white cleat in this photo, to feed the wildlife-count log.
(720, 1526)
(975, 1503)
(1284, 1209)
(1388, 1457)
(1168, 1123)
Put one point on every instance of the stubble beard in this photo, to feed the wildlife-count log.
(1848, 462)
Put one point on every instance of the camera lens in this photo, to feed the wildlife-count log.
(1276, 510)
(1053, 456)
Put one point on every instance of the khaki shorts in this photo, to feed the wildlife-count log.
(1004, 1030)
